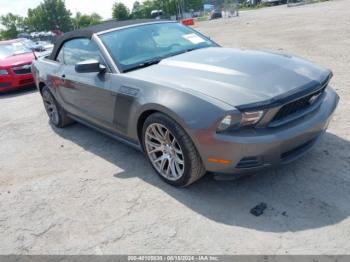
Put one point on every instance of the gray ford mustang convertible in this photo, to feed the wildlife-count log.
(189, 104)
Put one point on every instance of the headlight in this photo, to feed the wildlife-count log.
(251, 118)
(229, 121)
(245, 119)
(3, 72)
(225, 123)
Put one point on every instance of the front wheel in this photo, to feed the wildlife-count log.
(171, 151)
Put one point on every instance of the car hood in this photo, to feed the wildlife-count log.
(235, 76)
(17, 60)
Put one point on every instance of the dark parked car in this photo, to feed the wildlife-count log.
(189, 104)
(215, 14)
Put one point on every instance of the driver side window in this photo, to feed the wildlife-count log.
(78, 50)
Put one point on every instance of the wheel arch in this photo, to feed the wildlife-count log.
(41, 85)
(141, 120)
(156, 108)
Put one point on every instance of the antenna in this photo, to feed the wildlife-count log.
(33, 51)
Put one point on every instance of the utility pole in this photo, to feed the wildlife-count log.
(180, 6)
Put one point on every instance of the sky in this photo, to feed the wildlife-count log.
(102, 7)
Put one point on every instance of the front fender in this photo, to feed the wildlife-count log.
(193, 113)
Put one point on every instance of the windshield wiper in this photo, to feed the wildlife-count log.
(158, 59)
(185, 51)
(193, 48)
(144, 64)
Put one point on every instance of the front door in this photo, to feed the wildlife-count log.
(86, 95)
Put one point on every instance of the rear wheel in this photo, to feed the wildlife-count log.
(57, 115)
(171, 151)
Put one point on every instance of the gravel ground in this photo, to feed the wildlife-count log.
(75, 191)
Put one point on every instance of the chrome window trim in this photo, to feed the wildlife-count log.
(100, 49)
(105, 54)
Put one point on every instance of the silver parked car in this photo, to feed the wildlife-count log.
(190, 105)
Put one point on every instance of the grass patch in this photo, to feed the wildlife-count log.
(202, 18)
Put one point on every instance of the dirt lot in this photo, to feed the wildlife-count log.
(76, 191)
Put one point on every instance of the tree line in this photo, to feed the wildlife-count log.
(53, 15)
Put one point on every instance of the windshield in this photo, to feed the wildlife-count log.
(137, 46)
(11, 49)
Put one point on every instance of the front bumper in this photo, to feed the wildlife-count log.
(260, 148)
(12, 81)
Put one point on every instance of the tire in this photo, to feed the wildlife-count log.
(58, 117)
(166, 145)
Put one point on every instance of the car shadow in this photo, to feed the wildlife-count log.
(312, 192)
(18, 92)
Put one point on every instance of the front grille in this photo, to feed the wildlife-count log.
(5, 84)
(297, 105)
(22, 70)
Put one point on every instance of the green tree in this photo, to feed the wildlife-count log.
(13, 24)
(120, 11)
(148, 6)
(82, 20)
(195, 5)
(144, 10)
(136, 12)
(49, 15)
(169, 7)
(136, 7)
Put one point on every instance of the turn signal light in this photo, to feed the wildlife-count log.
(219, 161)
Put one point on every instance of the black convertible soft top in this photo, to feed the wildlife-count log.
(89, 31)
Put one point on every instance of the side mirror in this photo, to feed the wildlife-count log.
(90, 66)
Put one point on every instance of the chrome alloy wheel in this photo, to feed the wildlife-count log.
(51, 108)
(164, 151)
